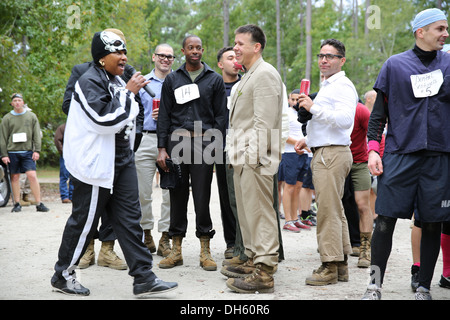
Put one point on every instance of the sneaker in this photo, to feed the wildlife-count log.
(300, 225)
(153, 287)
(415, 277)
(444, 282)
(423, 294)
(71, 287)
(42, 208)
(289, 226)
(372, 293)
(309, 221)
(17, 208)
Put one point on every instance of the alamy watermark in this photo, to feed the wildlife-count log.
(74, 19)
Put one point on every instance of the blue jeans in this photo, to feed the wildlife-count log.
(66, 192)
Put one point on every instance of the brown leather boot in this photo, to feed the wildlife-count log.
(235, 261)
(343, 270)
(364, 251)
(148, 241)
(26, 198)
(174, 258)
(261, 280)
(206, 261)
(164, 245)
(239, 271)
(88, 259)
(326, 274)
(108, 258)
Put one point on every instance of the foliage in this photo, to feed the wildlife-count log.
(41, 40)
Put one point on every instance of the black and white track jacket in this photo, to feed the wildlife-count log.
(100, 108)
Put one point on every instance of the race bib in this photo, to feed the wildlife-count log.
(187, 93)
(19, 137)
(427, 85)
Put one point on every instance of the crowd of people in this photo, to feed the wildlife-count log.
(266, 147)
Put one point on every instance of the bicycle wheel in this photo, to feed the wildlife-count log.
(5, 191)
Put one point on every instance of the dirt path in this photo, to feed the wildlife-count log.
(29, 243)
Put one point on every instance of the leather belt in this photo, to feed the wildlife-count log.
(149, 131)
(315, 149)
(189, 134)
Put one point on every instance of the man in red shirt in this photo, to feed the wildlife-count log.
(360, 176)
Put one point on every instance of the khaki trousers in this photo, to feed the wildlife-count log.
(256, 215)
(330, 167)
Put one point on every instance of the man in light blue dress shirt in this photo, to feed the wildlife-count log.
(147, 153)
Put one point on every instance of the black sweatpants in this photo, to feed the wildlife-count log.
(121, 204)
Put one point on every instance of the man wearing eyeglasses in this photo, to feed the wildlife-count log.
(328, 137)
(147, 153)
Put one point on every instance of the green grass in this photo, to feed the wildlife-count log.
(48, 172)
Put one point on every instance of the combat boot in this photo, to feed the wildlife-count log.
(206, 261)
(164, 245)
(108, 258)
(261, 281)
(88, 259)
(235, 261)
(23, 202)
(174, 258)
(343, 270)
(26, 198)
(239, 271)
(326, 274)
(148, 241)
(364, 251)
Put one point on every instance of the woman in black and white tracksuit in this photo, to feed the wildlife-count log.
(98, 154)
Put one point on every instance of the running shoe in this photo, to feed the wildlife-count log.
(423, 294)
(300, 225)
(289, 226)
(372, 293)
(444, 282)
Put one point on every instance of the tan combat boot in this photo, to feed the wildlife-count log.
(261, 280)
(364, 253)
(239, 271)
(174, 258)
(235, 261)
(23, 202)
(343, 270)
(326, 274)
(148, 241)
(206, 261)
(164, 245)
(88, 259)
(108, 258)
(26, 198)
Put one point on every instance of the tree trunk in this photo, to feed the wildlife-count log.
(308, 40)
(226, 22)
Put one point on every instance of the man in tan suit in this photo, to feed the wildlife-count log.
(253, 146)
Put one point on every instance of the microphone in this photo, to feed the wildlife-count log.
(129, 72)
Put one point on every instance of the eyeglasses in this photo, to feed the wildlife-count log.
(329, 56)
(163, 56)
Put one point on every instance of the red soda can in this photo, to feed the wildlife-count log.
(238, 66)
(156, 103)
(304, 86)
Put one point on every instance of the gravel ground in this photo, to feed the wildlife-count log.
(29, 243)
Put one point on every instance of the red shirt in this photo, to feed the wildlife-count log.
(359, 134)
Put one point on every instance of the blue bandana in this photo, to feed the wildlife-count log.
(427, 17)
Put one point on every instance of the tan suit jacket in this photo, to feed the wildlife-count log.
(256, 109)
